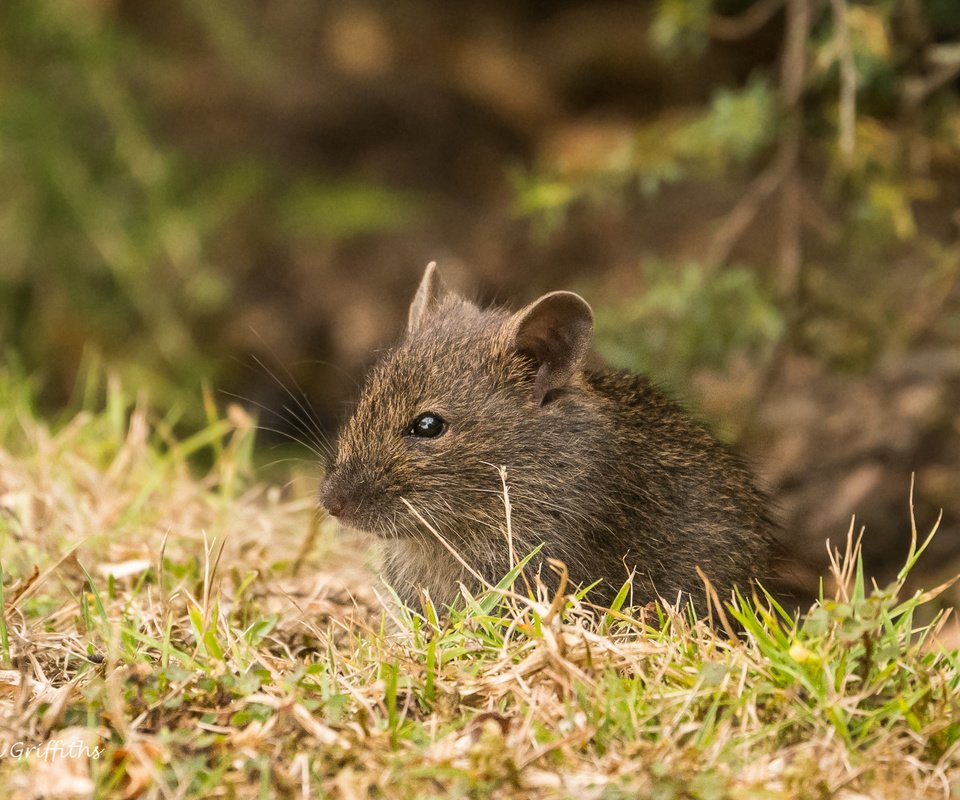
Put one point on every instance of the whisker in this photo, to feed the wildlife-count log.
(314, 429)
(330, 365)
(322, 447)
(304, 406)
(276, 461)
(296, 439)
(271, 412)
(306, 430)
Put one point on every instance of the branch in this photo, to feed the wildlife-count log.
(848, 81)
(742, 26)
(916, 90)
(748, 206)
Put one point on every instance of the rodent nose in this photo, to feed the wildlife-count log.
(335, 498)
(334, 506)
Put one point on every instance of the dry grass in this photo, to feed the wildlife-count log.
(205, 637)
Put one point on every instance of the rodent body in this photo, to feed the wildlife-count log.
(606, 473)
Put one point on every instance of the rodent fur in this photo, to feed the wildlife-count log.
(602, 468)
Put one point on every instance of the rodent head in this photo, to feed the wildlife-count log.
(465, 391)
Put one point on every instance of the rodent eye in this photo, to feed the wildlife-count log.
(428, 425)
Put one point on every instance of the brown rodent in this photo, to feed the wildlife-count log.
(602, 469)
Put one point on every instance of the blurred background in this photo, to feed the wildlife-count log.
(760, 199)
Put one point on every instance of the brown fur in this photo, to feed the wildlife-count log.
(603, 470)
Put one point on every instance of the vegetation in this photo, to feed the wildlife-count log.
(132, 227)
(188, 633)
(118, 243)
(844, 149)
(178, 175)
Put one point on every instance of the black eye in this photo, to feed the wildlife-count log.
(428, 425)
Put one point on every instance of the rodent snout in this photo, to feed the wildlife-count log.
(342, 498)
(335, 498)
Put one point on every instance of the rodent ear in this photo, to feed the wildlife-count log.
(555, 331)
(427, 297)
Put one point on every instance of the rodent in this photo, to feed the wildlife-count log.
(603, 470)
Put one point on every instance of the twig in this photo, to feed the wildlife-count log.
(732, 29)
(790, 255)
(793, 79)
(786, 161)
(848, 81)
(785, 171)
(736, 222)
(793, 73)
(916, 90)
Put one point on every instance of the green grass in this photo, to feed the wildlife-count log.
(206, 635)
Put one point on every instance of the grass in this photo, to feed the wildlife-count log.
(172, 634)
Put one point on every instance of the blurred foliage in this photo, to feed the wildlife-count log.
(869, 147)
(346, 209)
(103, 231)
(109, 233)
(129, 231)
(673, 146)
(700, 319)
(682, 25)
